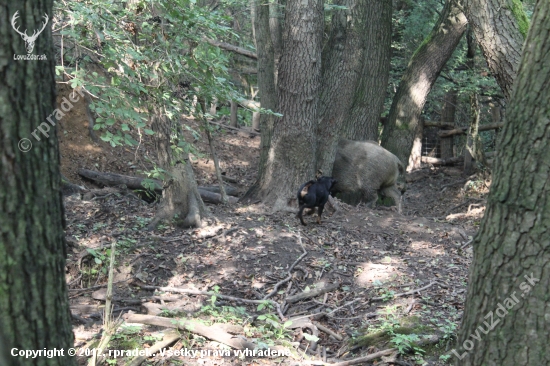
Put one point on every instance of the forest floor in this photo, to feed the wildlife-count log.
(397, 281)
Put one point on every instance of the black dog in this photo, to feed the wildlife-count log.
(314, 194)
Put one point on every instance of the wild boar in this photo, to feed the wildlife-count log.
(367, 168)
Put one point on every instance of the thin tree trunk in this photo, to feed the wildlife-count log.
(276, 31)
(448, 116)
(233, 118)
(505, 321)
(34, 309)
(292, 152)
(213, 107)
(416, 151)
(500, 27)
(421, 74)
(215, 159)
(256, 121)
(267, 93)
(473, 131)
(181, 196)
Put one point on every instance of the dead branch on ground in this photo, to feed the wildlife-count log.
(212, 332)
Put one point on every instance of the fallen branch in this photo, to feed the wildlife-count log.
(168, 339)
(94, 287)
(466, 244)
(437, 161)
(212, 332)
(467, 201)
(439, 124)
(68, 188)
(366, 358)
(312, 293)
(411, 292)
(463, 130)
(320, 315)
(134, 183)
(276, 287)
(343, 306)
(232, 48)
(252, 104)
(327, 330)
(458, 182)
(208, 293)
(235, 128)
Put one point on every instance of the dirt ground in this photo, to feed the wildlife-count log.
(376, 257)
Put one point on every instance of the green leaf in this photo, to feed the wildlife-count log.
(149, 132)
(310, 337)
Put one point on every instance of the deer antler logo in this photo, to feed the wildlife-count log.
(29, 41)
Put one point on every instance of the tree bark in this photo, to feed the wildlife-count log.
(214, 107)
(34, 310)
(291, 157)
(448, 116)
(416, 83)
(180, 196)
(470, 149)
(276, 31)
(509, 278)
(233, 117)
(370, 93)
(267, 92)
(500, 27)
(416, 151)
(352, 96)
(256, 121)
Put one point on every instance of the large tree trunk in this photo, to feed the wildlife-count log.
(509, 279)
(500, 27)
(291, 158)
(267, 91)
(180, 196)
(34, 311)
(369, 96)
(355, 74)
(416, 83)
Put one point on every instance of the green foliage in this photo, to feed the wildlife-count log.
(403, 342)
(274, 328)
(141, 58)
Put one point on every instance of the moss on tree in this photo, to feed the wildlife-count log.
(521, 17)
